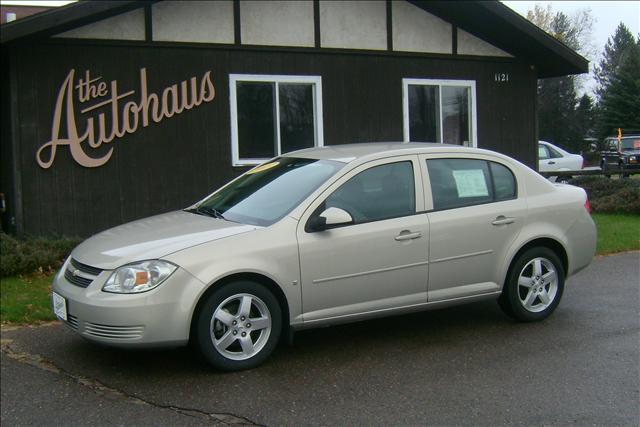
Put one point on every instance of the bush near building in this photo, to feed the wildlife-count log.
(33, 254)
(611, 195)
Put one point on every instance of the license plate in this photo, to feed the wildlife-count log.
(60, 306)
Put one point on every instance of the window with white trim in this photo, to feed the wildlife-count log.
(439, 111)
(272, 115)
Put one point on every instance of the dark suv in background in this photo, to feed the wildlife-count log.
(622, 158)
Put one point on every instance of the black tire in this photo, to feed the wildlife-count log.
(515, 296)
(223, 298)
(622, 172)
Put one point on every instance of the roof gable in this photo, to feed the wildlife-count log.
(486, 28)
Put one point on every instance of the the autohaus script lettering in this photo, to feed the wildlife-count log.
(120, 116)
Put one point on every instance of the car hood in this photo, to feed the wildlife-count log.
(631, 152)
(153, 237)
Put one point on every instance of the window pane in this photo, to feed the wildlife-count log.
(455, 115)
(503, 181)
(380, 192)
(424, 114)
(297, 129)
(459, 182)
(554, 154)
(542, 152)
(256, 120)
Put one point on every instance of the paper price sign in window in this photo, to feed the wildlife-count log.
(470, 183)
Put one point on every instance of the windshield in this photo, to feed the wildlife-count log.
(268, 192)
(631, 143)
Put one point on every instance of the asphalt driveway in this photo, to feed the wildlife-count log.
(468, 365)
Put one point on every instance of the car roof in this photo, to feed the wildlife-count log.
(348, 153)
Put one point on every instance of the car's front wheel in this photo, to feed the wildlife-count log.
(534, 286)
(238, 326)
(623, 173)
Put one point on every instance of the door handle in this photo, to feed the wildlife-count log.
(407, 235)
(503, 220)
(551, 162)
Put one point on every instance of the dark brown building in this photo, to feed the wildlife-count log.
(119, 110)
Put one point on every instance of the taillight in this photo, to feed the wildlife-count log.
(584, 163)
(587, 206)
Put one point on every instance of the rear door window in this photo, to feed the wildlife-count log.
(457, 183)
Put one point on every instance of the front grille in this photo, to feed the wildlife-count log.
(83, 282)
(86, 268)
(104, 331)
(72, 321)
(81, 274)
(116, 332)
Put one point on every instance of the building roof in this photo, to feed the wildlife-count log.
(488, 20)
(497, 24)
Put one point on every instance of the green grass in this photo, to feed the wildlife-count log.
(27, 299)
(617, 233)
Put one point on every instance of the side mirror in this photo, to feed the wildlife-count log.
(329, 218)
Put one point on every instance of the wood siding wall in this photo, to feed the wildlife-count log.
(174, 163)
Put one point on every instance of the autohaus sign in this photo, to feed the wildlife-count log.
(107, 114)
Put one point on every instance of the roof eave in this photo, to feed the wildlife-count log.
(63, 18)
(496, 23)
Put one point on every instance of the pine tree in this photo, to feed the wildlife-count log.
(584, 123)
(613, 55)
(620, 99)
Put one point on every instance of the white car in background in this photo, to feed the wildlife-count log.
(552, 158)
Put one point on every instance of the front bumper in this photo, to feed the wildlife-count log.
(159, 317)
(631, 165)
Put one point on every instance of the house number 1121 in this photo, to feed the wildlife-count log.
(501, 77)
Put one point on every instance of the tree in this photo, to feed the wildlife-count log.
(584, 120)
(620, 96)
(613, 55)
(558, 120)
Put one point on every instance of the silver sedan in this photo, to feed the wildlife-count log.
(330, 235)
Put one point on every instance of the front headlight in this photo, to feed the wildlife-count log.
(138, 277)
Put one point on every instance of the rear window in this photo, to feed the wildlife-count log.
(465, 182)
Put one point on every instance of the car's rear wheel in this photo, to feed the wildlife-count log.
(238, 326)
(534, 287)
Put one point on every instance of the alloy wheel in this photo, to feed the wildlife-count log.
(240, 326)
(537, 285)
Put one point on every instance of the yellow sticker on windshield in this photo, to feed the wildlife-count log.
(262, 168)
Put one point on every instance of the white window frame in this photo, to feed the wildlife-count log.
(316, 81)
(438, 82)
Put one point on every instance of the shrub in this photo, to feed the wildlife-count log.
(21, 256)
(611, 195)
